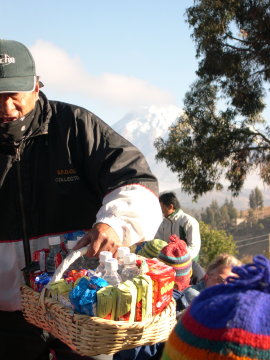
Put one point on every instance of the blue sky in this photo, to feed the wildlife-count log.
(110, 56)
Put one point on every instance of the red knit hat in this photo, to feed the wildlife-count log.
(176, 254)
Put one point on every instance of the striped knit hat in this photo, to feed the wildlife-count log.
(175, 254)
(227, 321)
(152, 248)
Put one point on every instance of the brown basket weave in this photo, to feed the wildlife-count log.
(92, 336)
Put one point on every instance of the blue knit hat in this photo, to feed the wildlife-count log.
(227, 321)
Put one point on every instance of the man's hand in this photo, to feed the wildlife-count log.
(100, 238)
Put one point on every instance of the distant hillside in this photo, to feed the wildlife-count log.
(240, 203)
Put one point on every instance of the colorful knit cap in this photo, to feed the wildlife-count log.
(227, 321)
(175, 254)
(152, 248)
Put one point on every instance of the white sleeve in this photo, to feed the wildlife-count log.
(133, 211)
(193, 237)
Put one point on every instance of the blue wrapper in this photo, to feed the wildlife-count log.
(88, 302)
(41, 281)
(83, 296)
(97, 283)
(77, 292)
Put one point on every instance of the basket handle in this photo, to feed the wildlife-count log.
(74, 255)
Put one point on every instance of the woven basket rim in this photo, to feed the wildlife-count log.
(96, 318)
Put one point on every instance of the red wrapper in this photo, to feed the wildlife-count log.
(163, 277)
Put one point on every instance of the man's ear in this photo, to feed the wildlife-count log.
(36, 90)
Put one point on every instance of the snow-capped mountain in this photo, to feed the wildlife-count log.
(142, 127)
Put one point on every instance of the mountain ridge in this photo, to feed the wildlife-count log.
(143, 125)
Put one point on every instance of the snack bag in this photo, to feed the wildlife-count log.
(74, 275)
(77, 292)
(88, 302)
(59, 287)
(163, 277)
(83, 296)
(38, 281)
(106, 302)
(143, 284)
(126, 301)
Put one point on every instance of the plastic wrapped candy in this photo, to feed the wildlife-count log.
(83, 295)
(41, 281)
(88, 302)
(77, 292)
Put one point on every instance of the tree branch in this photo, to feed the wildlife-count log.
(237, 39)
(237, 48)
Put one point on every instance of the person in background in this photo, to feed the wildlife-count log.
(185, 226)
(229, 321)
(217, 272)
(62, 169)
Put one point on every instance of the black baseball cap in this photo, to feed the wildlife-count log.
(17, 67)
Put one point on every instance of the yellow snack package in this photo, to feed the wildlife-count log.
(106, 302)
(58, 287)
(126, 301)
(144, 287)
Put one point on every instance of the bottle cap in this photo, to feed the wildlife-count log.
(54, 240)
(122, 251)
(111, 264)
(105, 255)
(130, 259)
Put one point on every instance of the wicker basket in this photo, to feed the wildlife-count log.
(92, 336)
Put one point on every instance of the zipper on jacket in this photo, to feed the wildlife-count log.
(26, 245)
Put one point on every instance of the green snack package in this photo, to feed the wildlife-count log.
(58, 287)
(106, 302)
(144, 287)
(126, 301)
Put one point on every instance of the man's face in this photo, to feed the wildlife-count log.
(166, 210)
(15, 105)
(218, 276)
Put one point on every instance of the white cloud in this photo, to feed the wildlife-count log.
(67, 74)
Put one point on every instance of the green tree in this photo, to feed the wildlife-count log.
(256, 199)
(251, 218)
(252, 201)
(216, 137)
(223, 217)
(214, 242)
(233, 213)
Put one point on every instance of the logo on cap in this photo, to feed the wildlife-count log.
(5, 59)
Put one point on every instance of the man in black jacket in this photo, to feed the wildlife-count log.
(61, 169)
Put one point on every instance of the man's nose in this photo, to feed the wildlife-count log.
(6, 104)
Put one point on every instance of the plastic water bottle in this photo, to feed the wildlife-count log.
(121, 252)
(55, 255)
(130, 269)
(103, 256)
(78, 264)
(111, 275)
(70, 245)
